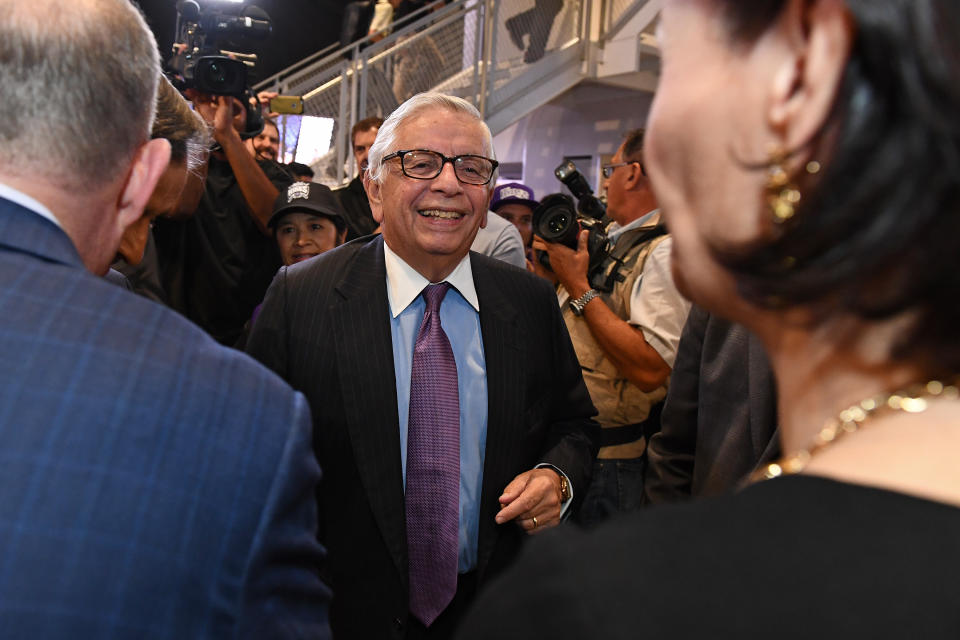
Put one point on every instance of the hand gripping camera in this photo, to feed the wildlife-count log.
(558, 219)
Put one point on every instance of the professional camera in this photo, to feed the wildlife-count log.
(199, 63)
(199, 58)
(558, 220)
(588, 204)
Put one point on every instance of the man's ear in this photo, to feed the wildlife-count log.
(149, 163)
(818, 35)
(636, 178)
(372, 187)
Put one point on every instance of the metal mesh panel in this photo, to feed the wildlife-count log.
(458, 43)
(439, 56)
(447, 51)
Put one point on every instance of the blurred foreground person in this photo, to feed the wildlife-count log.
(806, 154)
(155, 484)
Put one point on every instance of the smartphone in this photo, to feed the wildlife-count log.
(286, 105)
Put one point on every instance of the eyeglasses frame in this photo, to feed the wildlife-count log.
(445, 159)
(607, 170)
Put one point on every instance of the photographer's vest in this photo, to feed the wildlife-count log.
(622, 407)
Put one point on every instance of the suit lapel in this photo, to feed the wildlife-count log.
(505, 365)
(366, 370)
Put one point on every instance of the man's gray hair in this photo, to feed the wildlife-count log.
(78, 84)
(387, 135)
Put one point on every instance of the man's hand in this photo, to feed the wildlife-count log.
(264, 98)
(228, 117)
(569, 266)
(225, 114)
(532, 494)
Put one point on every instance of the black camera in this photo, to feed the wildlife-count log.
(199, 57)
(557, 219)
(587, 203)
(218, 75)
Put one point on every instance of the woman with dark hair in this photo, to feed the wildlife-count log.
(806, 155)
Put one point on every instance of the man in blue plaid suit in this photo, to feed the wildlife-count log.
(152, 483)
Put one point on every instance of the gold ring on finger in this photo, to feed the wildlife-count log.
(535, 523)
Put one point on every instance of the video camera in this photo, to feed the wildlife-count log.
(200, 62)
(558, 220)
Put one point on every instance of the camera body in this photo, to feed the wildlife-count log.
(201, 61)
(558, 219)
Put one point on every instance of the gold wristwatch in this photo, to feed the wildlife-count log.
(564, 488)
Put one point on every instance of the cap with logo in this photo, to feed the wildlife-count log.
(307, 197)
(513, 192)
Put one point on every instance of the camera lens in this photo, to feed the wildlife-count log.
(557, 223)
(218, 75)
(555, 220)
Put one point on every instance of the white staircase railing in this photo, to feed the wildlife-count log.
(507, 57)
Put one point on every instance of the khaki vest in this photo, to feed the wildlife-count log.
(618, 401)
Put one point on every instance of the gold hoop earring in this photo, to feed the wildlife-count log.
(783, 196)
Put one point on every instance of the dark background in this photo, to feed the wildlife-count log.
(300, 28)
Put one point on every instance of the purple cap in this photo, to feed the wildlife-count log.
(513, 192)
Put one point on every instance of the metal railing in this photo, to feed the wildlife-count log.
(488, 52)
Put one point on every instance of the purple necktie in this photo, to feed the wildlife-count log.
(433, 466)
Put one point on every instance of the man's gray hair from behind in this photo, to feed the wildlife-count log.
(79, 84)
(387, 135)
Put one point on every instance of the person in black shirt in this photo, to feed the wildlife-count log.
(353, 197)
(217, 264)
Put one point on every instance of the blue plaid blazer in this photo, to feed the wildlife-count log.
(152, 483)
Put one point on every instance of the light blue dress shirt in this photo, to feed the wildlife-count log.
(460, 319)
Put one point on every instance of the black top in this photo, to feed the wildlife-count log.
(353, 199)
(217, 264)
(144, 278)
(798, 557)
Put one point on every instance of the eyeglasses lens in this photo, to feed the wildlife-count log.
(426, 165)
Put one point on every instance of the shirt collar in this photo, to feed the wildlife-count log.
(9, 193)
(404, 283)
(614, 231)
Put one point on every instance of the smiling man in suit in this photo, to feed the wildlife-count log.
(154, 484)
(450, 415)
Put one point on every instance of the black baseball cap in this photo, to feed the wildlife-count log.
(308, 197)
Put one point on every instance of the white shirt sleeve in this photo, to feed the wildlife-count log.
(656, 306)
(382, 17)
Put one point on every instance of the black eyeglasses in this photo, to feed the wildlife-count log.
(607, 169)
(423, 164)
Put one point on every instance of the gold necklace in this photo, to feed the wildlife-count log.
(913, 399)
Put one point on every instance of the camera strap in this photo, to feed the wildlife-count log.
(610, 271)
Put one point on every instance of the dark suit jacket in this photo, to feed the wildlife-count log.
(153, 484)
(719, 421)
(325, 328)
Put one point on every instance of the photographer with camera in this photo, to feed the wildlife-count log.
(216, 264)
(624, 315)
